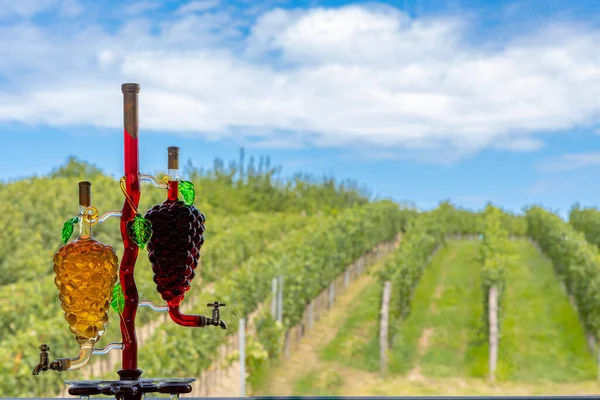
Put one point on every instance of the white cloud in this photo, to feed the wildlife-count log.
(570, 162)
(365, 77)
(519, 144)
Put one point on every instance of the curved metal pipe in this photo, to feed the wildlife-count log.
(107, 348)
(109, 214)
(150, 178)
(153, 306)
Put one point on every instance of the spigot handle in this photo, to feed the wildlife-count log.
(216, 315)
(43, 365)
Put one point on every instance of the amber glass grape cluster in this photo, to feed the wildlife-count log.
(86, 272)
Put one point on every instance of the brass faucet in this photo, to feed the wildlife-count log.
(216, 315)
(44, 365)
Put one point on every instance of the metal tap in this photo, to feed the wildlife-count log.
(215, 320)
(44, 365)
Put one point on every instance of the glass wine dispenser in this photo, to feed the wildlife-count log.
(90, 280)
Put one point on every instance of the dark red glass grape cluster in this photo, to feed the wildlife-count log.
(174, 249)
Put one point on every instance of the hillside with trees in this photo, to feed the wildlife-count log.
(487, 297)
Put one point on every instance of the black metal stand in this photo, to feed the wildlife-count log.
(131, 387)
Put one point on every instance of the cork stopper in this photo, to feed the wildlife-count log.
(173, 157)
(131, 108)
(85, 194)
(130, 87)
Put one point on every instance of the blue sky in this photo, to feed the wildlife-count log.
(472, 101)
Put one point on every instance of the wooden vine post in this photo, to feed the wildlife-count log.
(598, 358)
(384, 328)
(493, 320)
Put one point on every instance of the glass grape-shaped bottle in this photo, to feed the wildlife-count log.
(174, 249)
(86, 272)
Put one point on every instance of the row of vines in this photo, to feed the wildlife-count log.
(576, 261)
(586, 221)
(428, 232)
(494, 253)
(34, 209)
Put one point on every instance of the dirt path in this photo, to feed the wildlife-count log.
(306, 356)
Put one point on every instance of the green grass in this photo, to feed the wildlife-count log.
(542, 339)
(447, 304)
(319, 382)
(357, 341)
(455, 314)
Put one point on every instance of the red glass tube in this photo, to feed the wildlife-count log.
(132, 185)
(195, 321)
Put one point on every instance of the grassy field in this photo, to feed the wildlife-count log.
(542, 338)
(435, 339)
(438, 349)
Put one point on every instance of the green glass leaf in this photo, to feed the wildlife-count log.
(139, 230)
(67, 229)
(186, 189)
(118, 299)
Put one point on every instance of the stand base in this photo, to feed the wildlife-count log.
(131, 389)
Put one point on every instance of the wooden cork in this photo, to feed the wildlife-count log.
(85, 194)
(173, 157)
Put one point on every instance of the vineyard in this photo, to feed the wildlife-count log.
(487, 296)
(481, 303)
